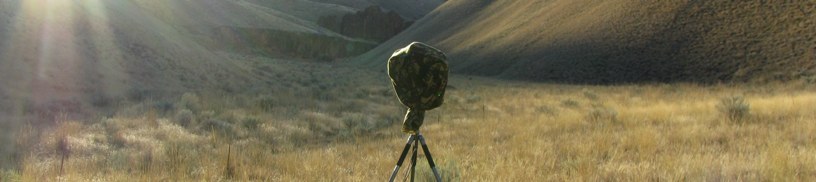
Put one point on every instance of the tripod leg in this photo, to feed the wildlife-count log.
(430, 159)
(402, 157)
(414, 159)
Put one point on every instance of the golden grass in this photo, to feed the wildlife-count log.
(487, 130)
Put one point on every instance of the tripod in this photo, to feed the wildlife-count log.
(415, 140)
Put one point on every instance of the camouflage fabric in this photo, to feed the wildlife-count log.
(413, 120)
(419, 74)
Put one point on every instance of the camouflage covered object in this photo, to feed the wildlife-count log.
(419, 74)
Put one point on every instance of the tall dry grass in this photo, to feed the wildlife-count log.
(343, 126)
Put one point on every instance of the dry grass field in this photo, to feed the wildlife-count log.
(343, 125)
(146, 90)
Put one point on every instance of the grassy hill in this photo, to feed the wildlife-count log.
(82, 60)
(619, 41)
(71, 50)
(109, 50)
(168, 90)
(411, 10)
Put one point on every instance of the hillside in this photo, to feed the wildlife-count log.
(246, 90)
(101, 51)
(619, 41)
(111, 44)
(271, 28)
(84, 59)
(411, 10)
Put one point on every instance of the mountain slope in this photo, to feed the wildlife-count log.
(64, 56)
(619, 41)
(98, 41)
(91, 59)
(78, 56)
(411, 10)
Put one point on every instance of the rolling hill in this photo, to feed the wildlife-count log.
(77, 60)
(619, 41)
(411, 10)
(68, 54)
(215, 90)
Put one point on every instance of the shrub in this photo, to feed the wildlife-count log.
(138, 94)
(152, 118)
(356, 123)
(118, 139)
(190, 101)
(472, 99)
(569, 103)
(544, 109)
(101, 100)
(208, 114)
(734, 108)
(590, 95)
(324, 96)
(251, 123)
(267, 103)
(220, 127)
(184, 117)
(450, 171)
(10, 175)
(163, 107)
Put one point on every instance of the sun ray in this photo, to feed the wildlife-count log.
(42, 56)
(19, 48)
(108, 55)
(59, 62)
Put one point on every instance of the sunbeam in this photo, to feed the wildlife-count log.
(107, 54)
(45, 58)
(315, 90)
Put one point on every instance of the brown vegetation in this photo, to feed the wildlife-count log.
(124, 96)
(343, 125)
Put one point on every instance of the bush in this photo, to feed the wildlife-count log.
(590, 95)
(544, 109)
(324, 96)
(214, 126)
(734, 108)
(450, 171)
(118, 139)
(138, 94)
(190, 101)
(267, 103)
(358, 123)
(184, 117)
(570, 103)
(10, 175)
(251, 123)
(163, 107)
(101, 100)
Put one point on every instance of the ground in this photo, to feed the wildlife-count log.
(332, 122)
